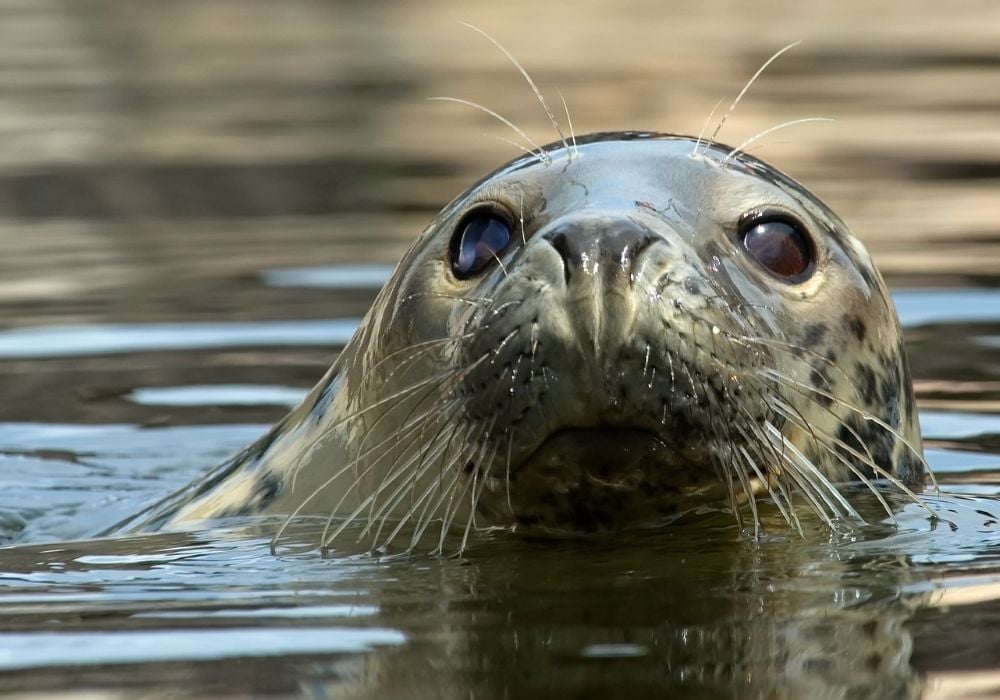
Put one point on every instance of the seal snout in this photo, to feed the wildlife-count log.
(596, 245)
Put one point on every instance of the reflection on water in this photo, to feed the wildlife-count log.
(695, 611)
(218, 395)
(106, 339)
(200, 200)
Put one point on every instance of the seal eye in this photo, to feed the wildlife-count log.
(477, 242)
(780, 246)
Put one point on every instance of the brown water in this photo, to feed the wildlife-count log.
(198, 198)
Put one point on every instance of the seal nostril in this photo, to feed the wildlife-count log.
(569, 253)
(624, 246)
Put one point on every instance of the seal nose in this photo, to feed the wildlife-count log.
(585, 246)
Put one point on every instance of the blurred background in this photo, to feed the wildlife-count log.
(198, 200)
(164, 164)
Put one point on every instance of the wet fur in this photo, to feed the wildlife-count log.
(409, 431)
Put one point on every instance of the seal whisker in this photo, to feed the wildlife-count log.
(722, 465)
(816, 479)
(325, 484)
(327, 537)
(507, 467)
(764, 443)
(443, 295)
(414, 475)
(476, 494)
(520, 216)
(784, 346)
(748, 489)
(438, 381)
(835, 442)
(789, 469)
(734, 503)
(698, 141)
(431, 447)
(638, 354)
(730, 447)
(463, 454)
(531, 83)
(569, 120)
(786, 469)
(519, 146)
(481, 318)
(416, 351)
(503, 268)
(447, 463)
(539, 152)
(450, 511)
(408, 426)
(746, 87)
(425, 462)
(449, 514)
(427, 516)
(408, 420)
(386, 445)
(414, 467)
(788, 515)
(804, 389)
(739, 149)
(830, 412)
(427, 512)
(406, 518)
(826, 442)
(393, 398)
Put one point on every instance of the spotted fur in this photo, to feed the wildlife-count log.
(476, 402)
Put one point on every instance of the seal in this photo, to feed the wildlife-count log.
(599, 335)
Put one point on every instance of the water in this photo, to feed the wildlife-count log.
(201, 199)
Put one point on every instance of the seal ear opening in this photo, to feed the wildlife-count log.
(479, 239)
(780, 244)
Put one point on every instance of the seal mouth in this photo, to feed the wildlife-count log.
(605, 478)
(606, 454)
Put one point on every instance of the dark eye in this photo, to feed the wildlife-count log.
(780, 246)
(477, 242)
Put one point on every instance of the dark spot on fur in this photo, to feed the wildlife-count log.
(909, 467)
(907, 385)
(874, 661)
(267, 487)
(813, 334)
(322, 401)
(857, 326)
(813, 453)
(821, 667)
(867, 384)
(692, 286)
(820, 381)
(889, 391)
(867, 439)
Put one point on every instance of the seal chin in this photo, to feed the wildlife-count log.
(606, 478)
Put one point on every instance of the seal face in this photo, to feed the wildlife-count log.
(603, 337)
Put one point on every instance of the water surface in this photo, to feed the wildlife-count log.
(199, 200)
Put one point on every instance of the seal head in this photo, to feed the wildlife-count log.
(602, 336)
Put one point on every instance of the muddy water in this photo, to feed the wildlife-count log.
(198, 200)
